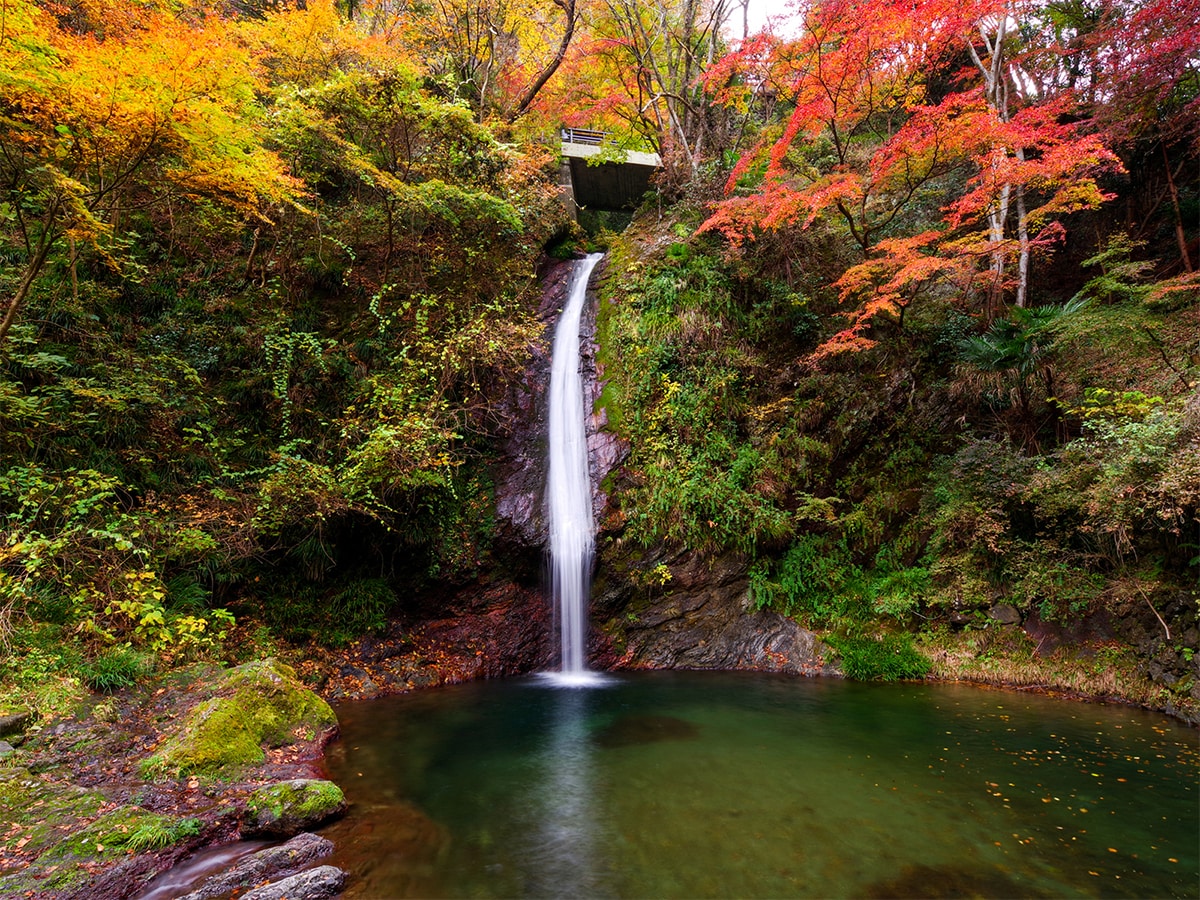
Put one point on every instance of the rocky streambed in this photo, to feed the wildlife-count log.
(96, 805)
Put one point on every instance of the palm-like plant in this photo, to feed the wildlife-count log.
(1014, 355)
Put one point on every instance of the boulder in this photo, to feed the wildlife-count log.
(1005, 614)
(320, 883)
(16, 723)
(289, 807)
(256, 704)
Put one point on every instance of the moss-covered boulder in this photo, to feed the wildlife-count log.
(289, 807)
(259, 704)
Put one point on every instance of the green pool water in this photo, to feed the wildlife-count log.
(734, 785)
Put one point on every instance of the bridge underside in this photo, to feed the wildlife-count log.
(607, 186)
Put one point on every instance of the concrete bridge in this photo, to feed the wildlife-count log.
(603, 186)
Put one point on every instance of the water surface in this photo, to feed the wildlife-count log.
(734, 785)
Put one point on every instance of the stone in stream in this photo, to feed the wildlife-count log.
(273, 862)
(289, 807)
(320, 883)
(258, 704)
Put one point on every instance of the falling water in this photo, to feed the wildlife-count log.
(570, 485)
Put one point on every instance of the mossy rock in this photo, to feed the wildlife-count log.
(126, 828)
(289, 807)
(46, 819)
(257, 704)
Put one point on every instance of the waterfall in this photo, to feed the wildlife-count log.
(569, 487)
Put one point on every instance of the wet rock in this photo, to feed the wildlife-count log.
(1005, 614)
(6, 749)
(521, 476)
(521, 479)
(320, 883)
(491, 630)
(510, 635)
(289, 807)
(606, 450)
(272, 863)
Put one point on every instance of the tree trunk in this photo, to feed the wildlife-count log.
(1180, 237)
(568, 7)
(1023, 243)
(74, 272)
(31, 273)
(996, 219)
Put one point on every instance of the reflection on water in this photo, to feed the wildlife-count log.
(563, 817)
(718, 785)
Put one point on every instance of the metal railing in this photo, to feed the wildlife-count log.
(583, 136)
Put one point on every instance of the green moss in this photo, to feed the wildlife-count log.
(46, 819)
(33, 807)
(72, 860)
(259, 703)
(293, 805)
(122, 829)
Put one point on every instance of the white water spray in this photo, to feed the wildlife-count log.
(570, 484)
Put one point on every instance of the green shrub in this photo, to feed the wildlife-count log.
(115, 670)
(363, 606)
(154, 834)
(891, 657)
(899, 593)
(815, 578)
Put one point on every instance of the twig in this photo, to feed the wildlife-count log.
(1162, 351)
(1146, 597)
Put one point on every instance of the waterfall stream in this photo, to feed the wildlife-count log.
(569, 488)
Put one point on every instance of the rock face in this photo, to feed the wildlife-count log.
(1005, 614)
(289, 807)
(606, 451)
(493, 630)
(256, 704)
(521, 481)
(700, 618)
